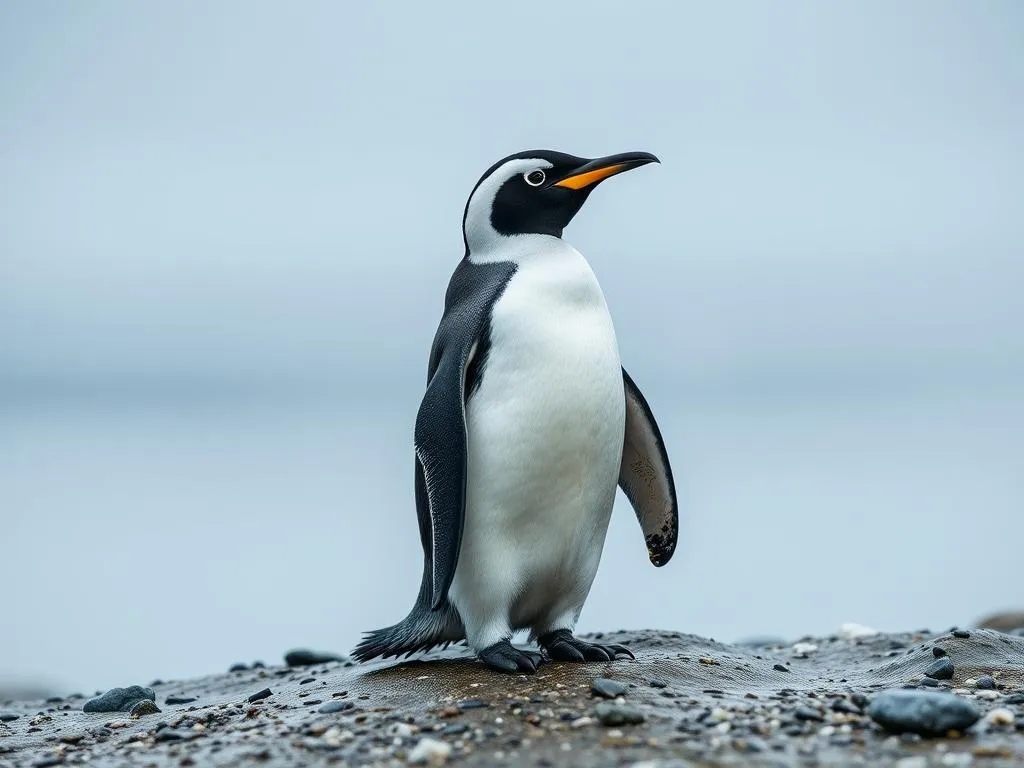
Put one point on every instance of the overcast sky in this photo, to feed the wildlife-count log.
(239, 188)
(818, 289)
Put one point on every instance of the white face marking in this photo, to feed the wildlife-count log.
(481, 236)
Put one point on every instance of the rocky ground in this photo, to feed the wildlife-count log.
(911, 700)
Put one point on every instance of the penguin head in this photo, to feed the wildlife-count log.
(536, 193)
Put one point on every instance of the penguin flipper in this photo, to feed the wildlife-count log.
(645, 476)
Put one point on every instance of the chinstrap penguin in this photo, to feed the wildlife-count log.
(528, 424)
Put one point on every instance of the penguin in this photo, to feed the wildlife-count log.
(528, 425)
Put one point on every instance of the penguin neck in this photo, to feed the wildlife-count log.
(517, 249)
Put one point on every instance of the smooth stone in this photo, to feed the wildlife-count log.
(806, 713)
(987, 683)
(963, 634)
(7, 717)
(780, 668)
(173, 700)
(119, 699)
(927, 713)
(260, 695)
(335, 706)
(609, 689)
(465, 704)
(929, 682)
(144, 707)
(618, 713)
(173, 734)
(429, 751)
(304, 657)
(937, 652)
(238, 667)
(940, 669)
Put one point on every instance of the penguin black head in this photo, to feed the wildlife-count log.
(536, 192)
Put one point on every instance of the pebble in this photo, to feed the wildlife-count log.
(963, 634)
(174, 700)
(988, 695)
(915, 761)
(581, 722)
(802, 649)
(173, 734)
(304, 657)
(260, 695)
(1015, 698)
(612, 713)
(937, 652)
(1000, 716)
(335, 706)
(49, 760)
(238, 667)
(144, 707)
(749, 744)
(781, 668)
(7, 717)
(940, 669)
(465, 704)
(429, 750)
(842, 705)
(119, 699)
(454, 729)
(986, 683)
(927, 713)
(806, 713)
(609, 689)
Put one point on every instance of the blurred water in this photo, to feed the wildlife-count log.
(173, 536)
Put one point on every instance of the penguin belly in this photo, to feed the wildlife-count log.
(545, 436)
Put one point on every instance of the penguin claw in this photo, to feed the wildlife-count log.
(560, 645)
(504, 657)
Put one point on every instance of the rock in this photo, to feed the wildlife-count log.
(749, 744)
(238, 667)
(986, 683)
(173, 734)
(429, 750)
(119, 699)
(144, 707)
(851, 631)
(1000, 716)
(803, 649)
(304, 657)
(174, 700)
(454, 729)
(926, 713)
(806, 713)
(780, 668)
(335, 706)
(465, 704)
(612, 713)
(937, 652)
(929, 682)
(963, 634)
(260, 695)
(842, 705)
(7, 717)
(609, 689)
(940, 669)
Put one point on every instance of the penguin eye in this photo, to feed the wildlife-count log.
(535, 178)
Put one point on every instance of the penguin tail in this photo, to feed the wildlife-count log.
(421, 630)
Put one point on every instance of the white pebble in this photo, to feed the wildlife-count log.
(566, 746)
(804, 648)
(430, 751)
(970, 682)
(827, 731)
(917, 761)
(718, 715)
(723, 727)
(401, 730)
(581, 722)
(1000, 717)
(851, 631)
(987, 695)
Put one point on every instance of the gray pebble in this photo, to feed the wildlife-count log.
(304, 657)
(119, 699)
(986, 683)
(940, 669)
(618, 713)
(609, 689)
(927, 713)
(6, 717)
(260, 695)
(963, 634)
(335, 706)
(780, 668)
(749, 744)
(173, 734)
(937, 652)
(806, 713)
(173, 700)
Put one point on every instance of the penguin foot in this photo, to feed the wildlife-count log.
(504, 657)
(560, 645)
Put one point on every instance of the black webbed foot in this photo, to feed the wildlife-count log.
(560, 645)
(504, 657)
